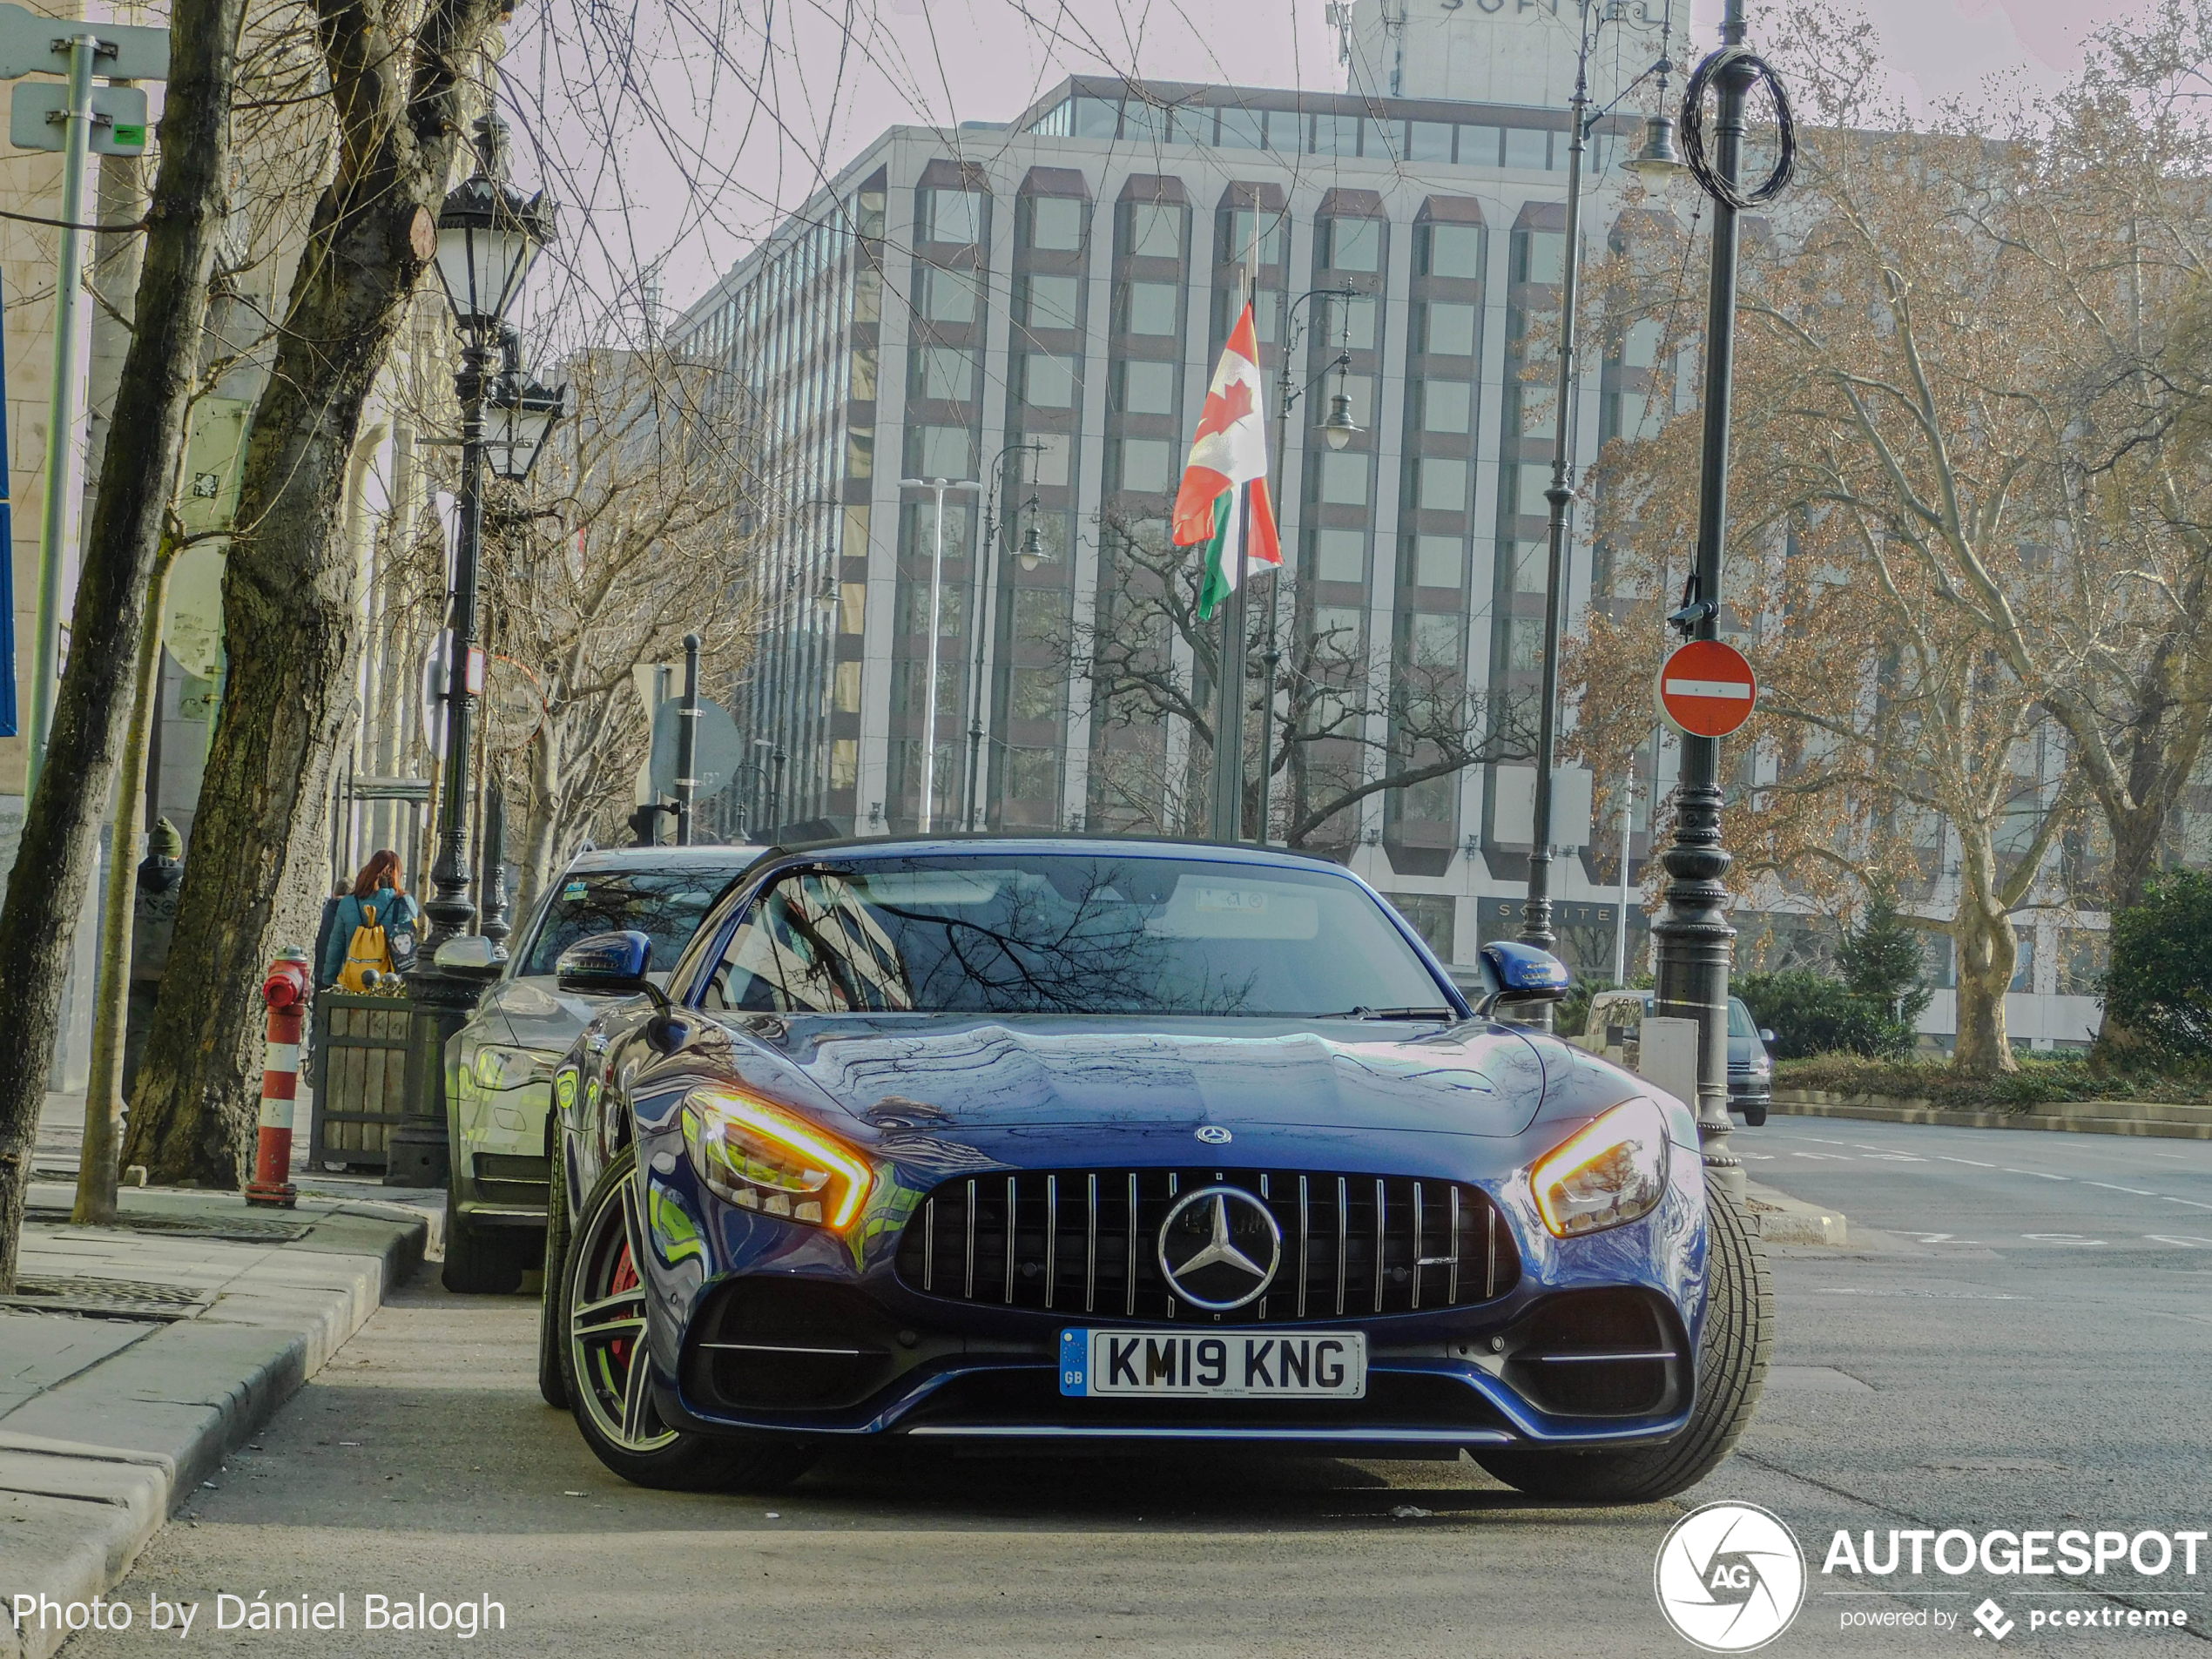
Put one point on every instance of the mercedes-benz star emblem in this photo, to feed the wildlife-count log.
(1219, 1248)
(1214, 1134)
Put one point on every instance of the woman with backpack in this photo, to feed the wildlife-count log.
(372, 928)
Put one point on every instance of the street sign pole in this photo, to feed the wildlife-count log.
(61, 420)
(77, 120)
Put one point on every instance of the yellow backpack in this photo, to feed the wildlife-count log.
(367, 950)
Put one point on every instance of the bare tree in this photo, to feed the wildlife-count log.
(1352, 720)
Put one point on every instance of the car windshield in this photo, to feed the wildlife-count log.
(1075, 932)
(664, 905)
(1740, 1023)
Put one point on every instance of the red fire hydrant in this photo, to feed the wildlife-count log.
(285, 992)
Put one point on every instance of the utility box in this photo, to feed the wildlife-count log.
(360, 1070)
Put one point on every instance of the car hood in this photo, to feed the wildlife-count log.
(946, 1073)
(533, 1011)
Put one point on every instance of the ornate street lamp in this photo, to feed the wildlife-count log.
(489, 234)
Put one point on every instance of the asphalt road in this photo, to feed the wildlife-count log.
(2019, 1337)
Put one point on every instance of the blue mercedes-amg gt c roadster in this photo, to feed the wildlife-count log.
(1067, 1141)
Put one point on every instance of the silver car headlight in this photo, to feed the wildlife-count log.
(499, 1067)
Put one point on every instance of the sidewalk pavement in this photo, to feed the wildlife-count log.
(134, 1358)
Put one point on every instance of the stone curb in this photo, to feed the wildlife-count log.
(1785, 1220)
(91, 1467)
(2153, 1118)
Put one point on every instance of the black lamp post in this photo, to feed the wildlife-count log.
(489, 233)
(1695, 940)
(1655, 157)
(1029, 553)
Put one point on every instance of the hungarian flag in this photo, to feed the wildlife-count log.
(1229, 449)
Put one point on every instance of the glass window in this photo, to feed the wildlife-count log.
(1433, 640)
(1454, 250)
(1341, 556)
(860, 453)
(1144, 123)
(1344, 480)
(664, 905)
(1239, 226)
(1151, 307)
(870, 216)
(1443, 485)
(1148, 388)
(1057, 223)
(1478, 146)
(1539, 256)
(1639, 343)
(1428, 141)
(1147, 464)
(1051, 301)
(1382, 140)
(1155, 229)
(1437, 560)
(1528, 148)
(1336, 135)
(946, 296)
(1097, 117)
(849, 688)
(1243, 130)
(1449, 330)
(946, 374)
(845, 763)
(868, 296)
(1340, 627)
(1047, 383)
(1530, 479)
(852, 607)
(1285, 131)
(956, 216)
(860, 381)
(1447, 405)
(1035, 693)
(1355, 244)
(1075, 932)
(1194, 124)
(942, 452)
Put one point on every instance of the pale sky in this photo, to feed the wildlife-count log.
(698, 166)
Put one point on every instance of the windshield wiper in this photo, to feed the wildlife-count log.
(1361, 1013)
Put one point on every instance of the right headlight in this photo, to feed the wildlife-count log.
(1611, 1172)
(760, 1156)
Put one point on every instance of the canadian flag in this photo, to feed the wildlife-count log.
(1229, 448)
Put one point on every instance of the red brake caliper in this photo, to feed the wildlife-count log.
(625, 1279)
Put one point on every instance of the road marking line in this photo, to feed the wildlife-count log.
(2038, 1174)
(1949, 1296)
(2192, 1203)
(2141, 1193)
(1977, 1162)
(2187, 1241)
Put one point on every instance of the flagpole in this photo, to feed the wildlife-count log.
(1228, 819)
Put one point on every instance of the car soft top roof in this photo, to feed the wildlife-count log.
(716, 858)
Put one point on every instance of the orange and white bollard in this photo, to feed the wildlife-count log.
(285, 992)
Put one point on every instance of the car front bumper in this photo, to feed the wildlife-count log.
(762, 1324)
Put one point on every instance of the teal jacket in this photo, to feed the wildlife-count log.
(392, 910)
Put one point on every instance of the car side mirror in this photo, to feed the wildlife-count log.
(610, 965)
(470, 956)
(1766, 1036)
(1524, 974)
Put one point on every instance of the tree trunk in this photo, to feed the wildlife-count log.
(103, 1103)
(138, 472)
(289, 614)
(1988, 951)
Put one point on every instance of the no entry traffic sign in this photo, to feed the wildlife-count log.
(1706, 689)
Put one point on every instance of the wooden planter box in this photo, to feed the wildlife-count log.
(360, 1077)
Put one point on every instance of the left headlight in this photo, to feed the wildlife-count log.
(1611, 1172)
(760, 1156)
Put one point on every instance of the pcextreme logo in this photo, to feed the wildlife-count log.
(1730, 1577)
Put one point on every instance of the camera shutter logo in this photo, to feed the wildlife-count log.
(1730, 1577)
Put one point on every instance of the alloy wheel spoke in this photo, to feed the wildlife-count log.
(617, 1314)
(637, 1396)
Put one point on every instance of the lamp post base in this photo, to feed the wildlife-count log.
(418, 1150)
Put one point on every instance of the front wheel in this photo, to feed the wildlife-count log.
(607, 1369)
(1754, 1115)
(1732, 1357)
(552, 1376)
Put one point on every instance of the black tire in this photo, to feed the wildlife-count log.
(479, 1261)
(1754, 1115)
(1732, 1358)
(610, 1395)
(552, 1380)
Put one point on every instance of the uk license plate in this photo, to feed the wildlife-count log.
(1217, 1365)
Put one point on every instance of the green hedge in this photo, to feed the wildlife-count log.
(2038, 1082)
(2159, 990)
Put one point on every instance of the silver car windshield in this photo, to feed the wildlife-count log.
(664, 905)
(1082, 932)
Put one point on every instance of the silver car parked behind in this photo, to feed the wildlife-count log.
(499, 1067)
